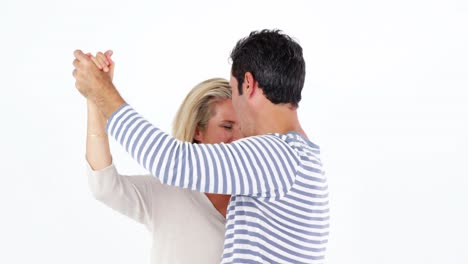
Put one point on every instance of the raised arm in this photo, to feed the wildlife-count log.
(262, 166)
(131, 196)
(97, 142)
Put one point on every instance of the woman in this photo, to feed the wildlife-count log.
(186, 226)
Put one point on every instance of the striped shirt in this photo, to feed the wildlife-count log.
(278, 212)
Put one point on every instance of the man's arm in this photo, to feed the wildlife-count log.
(262, 166)
(257, 166)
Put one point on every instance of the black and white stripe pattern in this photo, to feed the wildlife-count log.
(278, 212)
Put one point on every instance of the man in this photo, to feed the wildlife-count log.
(278, 212)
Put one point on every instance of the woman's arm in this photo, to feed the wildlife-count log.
(97, 143)
(132, 196)
(129, 195)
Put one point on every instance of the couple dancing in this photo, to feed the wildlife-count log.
(237, 182)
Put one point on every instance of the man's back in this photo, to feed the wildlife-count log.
(292, 228)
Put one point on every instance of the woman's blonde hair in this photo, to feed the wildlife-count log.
(197, 107)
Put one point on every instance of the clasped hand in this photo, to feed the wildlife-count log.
(92, 73)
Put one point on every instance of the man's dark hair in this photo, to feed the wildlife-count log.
(275, 61)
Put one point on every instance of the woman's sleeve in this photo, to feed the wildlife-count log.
(130, 195)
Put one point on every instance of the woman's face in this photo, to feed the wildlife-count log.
(221, 127)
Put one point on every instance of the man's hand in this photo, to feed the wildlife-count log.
(96, 84)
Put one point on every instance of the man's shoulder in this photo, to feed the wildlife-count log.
(296, 139)
(292, 140)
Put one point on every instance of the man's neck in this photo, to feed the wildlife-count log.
(278, 119)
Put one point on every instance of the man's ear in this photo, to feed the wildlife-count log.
(249, 85)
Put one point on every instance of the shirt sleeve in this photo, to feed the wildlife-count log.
(130, 195)
(261, 166)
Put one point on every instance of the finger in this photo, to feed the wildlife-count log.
(103, 61)
(96, 61)
(76, 63)
(111, 70)
(102, 57)
(79, 55)
(109, 54)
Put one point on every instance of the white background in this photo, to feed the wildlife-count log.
(385, 97)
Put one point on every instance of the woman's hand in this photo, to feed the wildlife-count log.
(104, 62)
